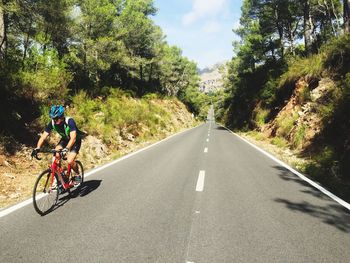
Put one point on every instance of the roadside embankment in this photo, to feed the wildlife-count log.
(116, 125)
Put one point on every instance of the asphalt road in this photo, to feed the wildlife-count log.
(201, 196)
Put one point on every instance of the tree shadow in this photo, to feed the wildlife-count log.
(220, 128)
(332, 214)
(287, 175)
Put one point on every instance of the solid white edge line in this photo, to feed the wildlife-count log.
(300, 175)
(24, 203)
(200, 181)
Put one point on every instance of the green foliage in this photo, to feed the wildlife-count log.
(286, 123)
(301, 67)
(55, 49)
(337, 55)
(257, 135)
(196, 101)
(119, 113)
(279, 142)
(268, 93)
(281, 43)
(261, 116)
(49, 81)
(299, 136)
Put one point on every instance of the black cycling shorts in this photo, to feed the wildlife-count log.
(75, 148)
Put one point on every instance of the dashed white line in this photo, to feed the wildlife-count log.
(205, 149)
(207, 140)
(200, 181)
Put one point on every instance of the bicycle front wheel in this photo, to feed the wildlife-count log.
(45, 192)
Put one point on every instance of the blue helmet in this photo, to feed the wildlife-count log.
(56, 111)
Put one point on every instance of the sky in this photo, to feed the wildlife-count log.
(201, 28)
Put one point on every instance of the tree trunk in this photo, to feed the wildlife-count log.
(307, 28)
(346, 16)
(141, 73)
(25, 46)
(280, 32)
(150, 73)
(2, 32)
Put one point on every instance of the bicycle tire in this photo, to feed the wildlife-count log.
(44, 198)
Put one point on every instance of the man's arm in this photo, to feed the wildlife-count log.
(73, 138)
(42, 139)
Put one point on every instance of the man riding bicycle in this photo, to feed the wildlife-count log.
(70, 137)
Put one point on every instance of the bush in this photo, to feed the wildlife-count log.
(46, 77)
(301, 67)
(286, 123)
(298, 139)
(338, 55)
(261, 116)
(279, 142)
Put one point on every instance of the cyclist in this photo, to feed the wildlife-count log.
(70, 137)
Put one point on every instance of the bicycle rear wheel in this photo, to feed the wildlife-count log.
(45, 192)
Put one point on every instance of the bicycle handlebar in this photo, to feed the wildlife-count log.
(53, 151)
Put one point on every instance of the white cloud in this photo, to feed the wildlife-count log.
(204, 8)
(212, 27)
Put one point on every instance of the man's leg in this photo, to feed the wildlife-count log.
(71, 162)
(57, 148)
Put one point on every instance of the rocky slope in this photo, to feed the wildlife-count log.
(212, 78)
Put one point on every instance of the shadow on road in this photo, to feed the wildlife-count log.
(221, 128)
(330, 212)
(86, 188)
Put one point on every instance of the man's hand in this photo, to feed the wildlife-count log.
(35, 152)
(65, 151)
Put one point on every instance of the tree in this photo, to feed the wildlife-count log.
(3, 29)
(346, 7)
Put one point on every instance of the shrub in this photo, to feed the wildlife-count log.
(301, 67)
(261, 116)
(279, 142)
(299, 136)
(286, 123)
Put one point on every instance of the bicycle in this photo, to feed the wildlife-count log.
(53, 182)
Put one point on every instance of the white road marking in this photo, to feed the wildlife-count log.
(13, 208)
(300, 175)
(200, 181)
(207, 140)
(205, 149)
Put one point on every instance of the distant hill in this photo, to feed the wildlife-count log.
(211, 78)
